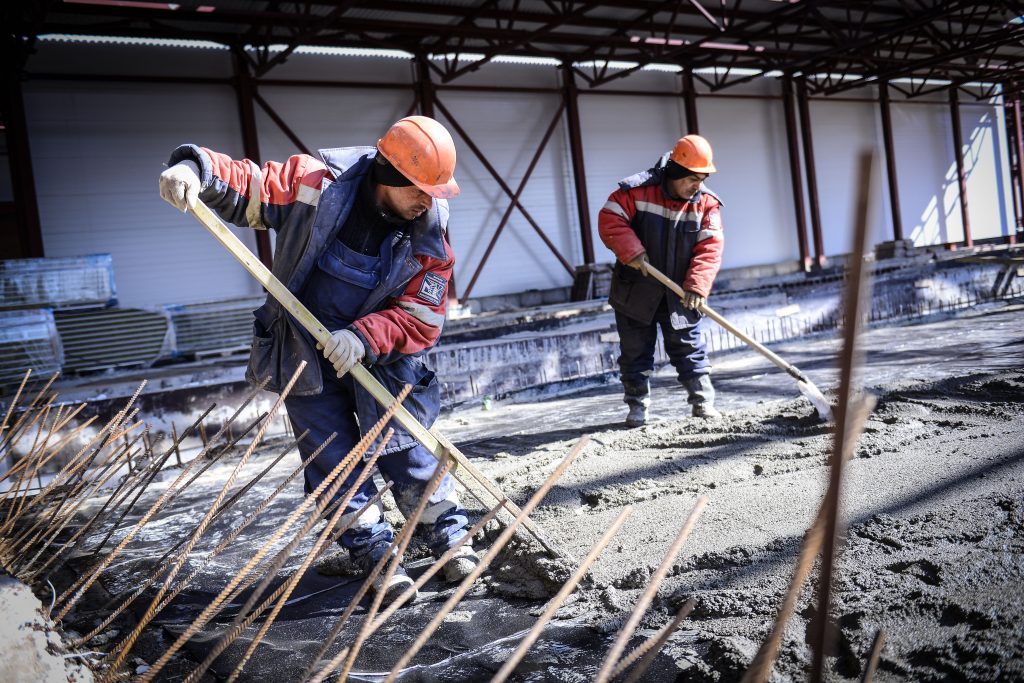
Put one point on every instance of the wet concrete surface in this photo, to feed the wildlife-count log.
(934, 552)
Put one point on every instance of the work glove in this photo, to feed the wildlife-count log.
(179, 185)
(692, 300)
(640, 263)
(344, 349)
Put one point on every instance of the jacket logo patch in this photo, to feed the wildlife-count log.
(432, 288)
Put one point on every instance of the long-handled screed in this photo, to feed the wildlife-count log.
(806, 386)
(431, 439)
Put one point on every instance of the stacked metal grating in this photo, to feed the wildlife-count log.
(69, 282)
(213, 327)
(28, 339)
(112, 338)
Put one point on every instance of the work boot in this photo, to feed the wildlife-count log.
(461, 565)
(702, 396)
(399, 583)
(637, 415)
(705, 410)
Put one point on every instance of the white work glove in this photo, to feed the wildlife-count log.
(344, 349)
(640, 263)
(692, 300)
(179, 185)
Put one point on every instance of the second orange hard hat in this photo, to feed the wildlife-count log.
(694, 153)
(423, 151)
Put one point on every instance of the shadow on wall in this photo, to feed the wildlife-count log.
(941, 222)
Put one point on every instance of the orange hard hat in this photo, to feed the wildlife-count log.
(694, 153)
(423, 151)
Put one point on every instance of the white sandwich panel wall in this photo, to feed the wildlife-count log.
(842, 132)
(97, 151)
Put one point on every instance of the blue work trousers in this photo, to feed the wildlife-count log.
(684, 347)
(444, 520)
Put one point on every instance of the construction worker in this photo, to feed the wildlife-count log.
(360, 240)
(667, 218)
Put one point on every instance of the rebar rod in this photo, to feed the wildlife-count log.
(215, 605)
(149, 478)
(556, 602)
(250, 518)
(71, 495)
(84, 583)
(14, 402)
(648, 595)
(409, 594)
(650, 648)
(126, 646)
(876, 652)
(443, 466)
(485, 561)
(73, 542)
(247, 614)
(69, 515)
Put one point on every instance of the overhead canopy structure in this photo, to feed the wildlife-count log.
(917, 46)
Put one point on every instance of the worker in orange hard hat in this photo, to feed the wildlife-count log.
(666, 217)
(361, 242)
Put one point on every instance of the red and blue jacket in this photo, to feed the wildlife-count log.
(306, 201)
(682, 238)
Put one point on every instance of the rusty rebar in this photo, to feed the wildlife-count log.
(409, 594)
(14, 402)
(650, 648)
(402, 542)
(556, 602)
(648, 595)
(148, 478)
(876, 652)
(112, 502)
(77, 590)
(485, 561)
(126, 646)
(215, 605)
(248, 613)
(760, 668)
(73, 494)
(443, 466)
(250, 518)
(856, 292)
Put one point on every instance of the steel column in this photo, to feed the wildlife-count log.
(958, 150)
(570, 96)
(812, 176)
(424, 87)
(690, 102)
(26, 207)
(794, 170)
(1014, 162)
(890, 160)
(1018, 134)
(245, 92)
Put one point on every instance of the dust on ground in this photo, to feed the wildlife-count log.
(934, 552)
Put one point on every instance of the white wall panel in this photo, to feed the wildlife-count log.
(97, 152)
(989, 204)
(622, 136)
(842, 132)
(929, 197)
(749, 139)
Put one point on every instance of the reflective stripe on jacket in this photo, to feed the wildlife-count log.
(682, 238)
(306, 201)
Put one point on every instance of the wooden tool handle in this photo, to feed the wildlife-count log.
(433, 441)
(732, 329)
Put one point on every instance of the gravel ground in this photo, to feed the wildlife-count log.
(934, 552)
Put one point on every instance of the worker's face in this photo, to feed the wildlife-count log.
(406, 202)
(687, 186)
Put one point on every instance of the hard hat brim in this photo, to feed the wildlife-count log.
(448, 190)
(710, 168)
